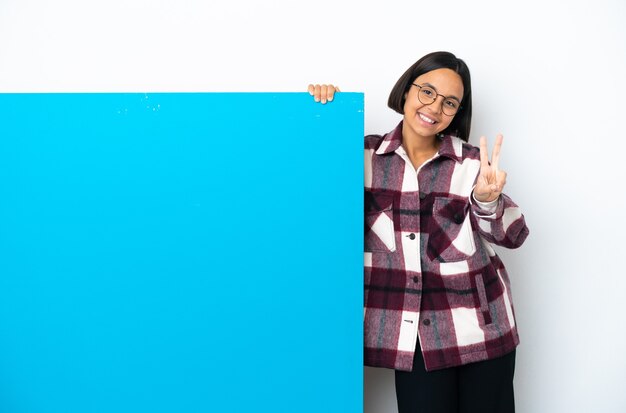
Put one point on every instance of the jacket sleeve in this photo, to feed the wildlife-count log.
(502, 225)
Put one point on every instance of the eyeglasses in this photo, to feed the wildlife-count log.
(427, 95)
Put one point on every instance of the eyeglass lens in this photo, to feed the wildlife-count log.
(428, 95)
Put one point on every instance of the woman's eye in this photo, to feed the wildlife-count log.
(428, 92)
(451, 104)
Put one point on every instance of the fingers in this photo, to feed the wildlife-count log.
(315, 91)
(323, 93)
(500, 180)
(495, 156)
(486, 191)
(330, 92)
(498, 185)
(492, 180)
(484, 155)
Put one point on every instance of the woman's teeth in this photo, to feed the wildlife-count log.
(425, 119)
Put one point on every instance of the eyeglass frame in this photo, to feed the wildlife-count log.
(435, 99)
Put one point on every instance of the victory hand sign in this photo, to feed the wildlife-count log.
(491, 179)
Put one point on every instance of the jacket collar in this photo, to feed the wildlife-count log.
(451, 146)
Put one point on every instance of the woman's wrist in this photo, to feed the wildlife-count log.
(487, 205)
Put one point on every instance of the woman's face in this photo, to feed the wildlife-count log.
(425, 121)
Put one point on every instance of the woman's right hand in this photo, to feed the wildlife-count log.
(323, 93)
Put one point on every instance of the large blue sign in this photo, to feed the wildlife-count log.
(180, 253)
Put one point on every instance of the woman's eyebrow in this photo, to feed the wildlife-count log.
(432, 86)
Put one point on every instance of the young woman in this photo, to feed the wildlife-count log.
(437, 297)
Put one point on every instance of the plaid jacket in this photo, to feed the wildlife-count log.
(430, 268)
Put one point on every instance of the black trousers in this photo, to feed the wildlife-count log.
(483, 387)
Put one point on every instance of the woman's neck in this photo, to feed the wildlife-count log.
(419, 148)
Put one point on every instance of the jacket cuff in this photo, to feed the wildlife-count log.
(484, 209)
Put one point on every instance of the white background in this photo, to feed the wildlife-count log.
(549, 75)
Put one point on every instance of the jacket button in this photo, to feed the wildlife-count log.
(426, 322)
(458, 218)
(411, 236)
(416, 279)
(422, 195)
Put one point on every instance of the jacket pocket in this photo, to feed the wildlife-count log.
(379, 227)
(451, 237)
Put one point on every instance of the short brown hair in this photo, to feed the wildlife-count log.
(460, 125)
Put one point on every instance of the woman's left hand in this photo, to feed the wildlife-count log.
(323, 93)
(491, 179)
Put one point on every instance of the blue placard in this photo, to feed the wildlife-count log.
(180, 253)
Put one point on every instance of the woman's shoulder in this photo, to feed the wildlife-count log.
(462, 149)
(373, 141)
(393, 138)
(470, 151)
